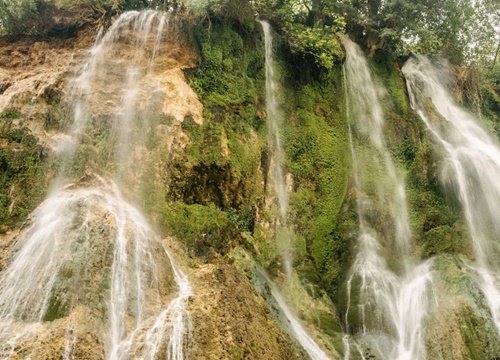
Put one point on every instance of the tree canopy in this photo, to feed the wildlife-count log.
(464, 31)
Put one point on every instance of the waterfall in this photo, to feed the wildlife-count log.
(471, 168)
(87, 251)
(275, 117)
(296, 329)
(394, 296)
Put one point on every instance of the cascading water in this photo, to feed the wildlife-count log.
(393, 297)
(471, 167)
(275, 119)
(295, 327)
(87, 249)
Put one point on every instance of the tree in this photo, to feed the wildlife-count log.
(15, 15)
(42, 17)
(308, 26)
(461, 29)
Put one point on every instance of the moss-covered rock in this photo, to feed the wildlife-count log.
(22, 175)
(318, 158)
(216, 181)
(461, 326)
(230, 64)
(202, 229)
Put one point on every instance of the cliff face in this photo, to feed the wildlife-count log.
(32, 77)
(228, 315)
(206, 186)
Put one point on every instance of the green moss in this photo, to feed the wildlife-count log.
(217, 180)
(391, 77)
(445, 239)
(56, 308)
(317, 152)
(228, 69)
(22, 178)
(201, 228)
(9, 114)
(221, 164)
(437, 221)
(489, 92)
(470, 316)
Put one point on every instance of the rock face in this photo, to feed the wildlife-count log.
(200, 175)
(36, 91)
(55, 340)
(35, 102)
(30, 70)
(460, 327)
(33, 75)
(230, 320)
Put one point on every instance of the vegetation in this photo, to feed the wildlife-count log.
(203, 229)
(216, 183)
(214, 191)
(465, 31)
(56, 17)
(22, 181)
(317, 149)
(224, 78)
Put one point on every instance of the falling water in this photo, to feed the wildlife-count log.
(87, 244)
(275, 118)
(296, 328)
(393, 297)
(471, 167)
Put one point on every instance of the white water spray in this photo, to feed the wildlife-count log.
(275, 117)
(471, 168)
(393, 300)
(296, 328)
(86, 244)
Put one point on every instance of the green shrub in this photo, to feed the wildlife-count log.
(223, 77)
(201, 228)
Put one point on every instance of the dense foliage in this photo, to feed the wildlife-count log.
(43, 17)
(465, 30)
(214, 196)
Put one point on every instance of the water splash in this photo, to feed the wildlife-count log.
(471, 167)
(393, 299)
(60, 233)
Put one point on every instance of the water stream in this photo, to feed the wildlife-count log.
(295, 327)
(87, 248)
(275, 117)
(391, 288)
(471, 167)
